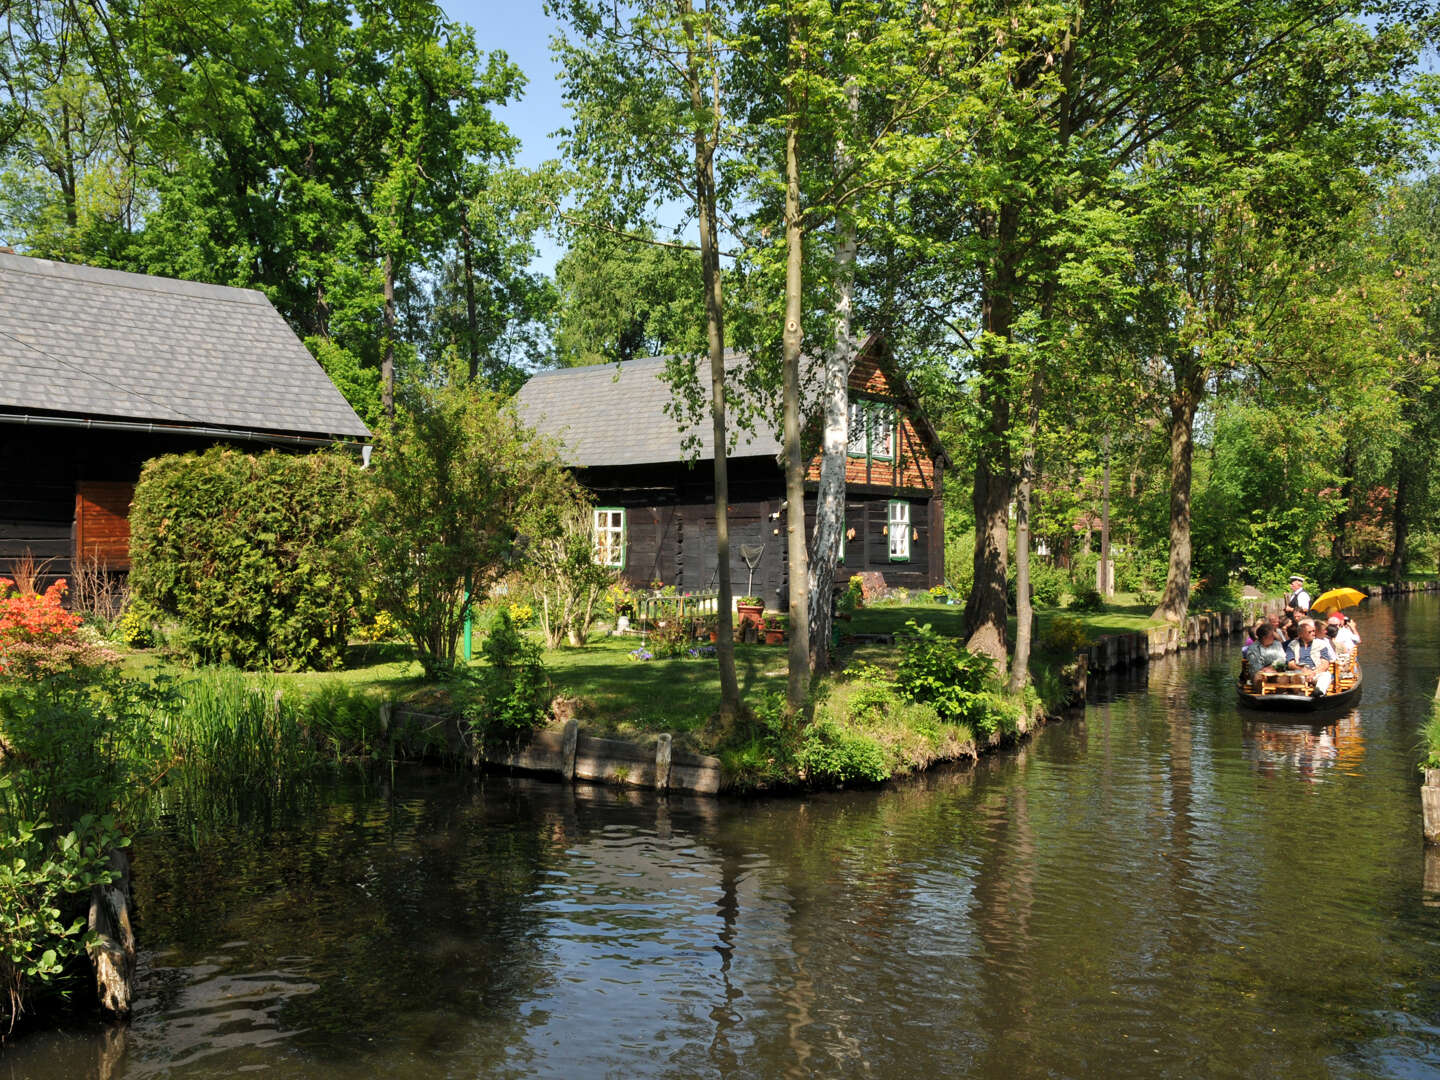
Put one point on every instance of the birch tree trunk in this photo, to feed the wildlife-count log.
(798, 685)
(835, 441)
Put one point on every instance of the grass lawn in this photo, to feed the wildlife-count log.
(628, 697)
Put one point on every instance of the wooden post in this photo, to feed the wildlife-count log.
(569, 739)
(662, 762)
(1430, 805)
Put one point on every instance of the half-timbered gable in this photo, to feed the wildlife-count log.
(653, 478)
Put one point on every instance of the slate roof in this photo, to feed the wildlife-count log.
(86, 342)
(614, 414)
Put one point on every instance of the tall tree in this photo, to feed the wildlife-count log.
(647, 82)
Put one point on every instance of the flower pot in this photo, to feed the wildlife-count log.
(774, 637)
(750, 614)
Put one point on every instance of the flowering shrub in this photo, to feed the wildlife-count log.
(384, 628)
(620, 599)
(641, 654)
(39, 637)
(135, 630)
(522, 614)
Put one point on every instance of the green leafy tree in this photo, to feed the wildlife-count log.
(454, 476)
(649, 87)
(622, 299)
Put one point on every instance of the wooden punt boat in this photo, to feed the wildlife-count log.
(1285, 692)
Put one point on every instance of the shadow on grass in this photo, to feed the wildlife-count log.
(378, 652)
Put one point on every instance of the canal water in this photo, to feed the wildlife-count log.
(1164, 888)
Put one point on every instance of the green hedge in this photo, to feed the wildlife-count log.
(254, 555)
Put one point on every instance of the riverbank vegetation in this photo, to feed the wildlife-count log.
(1170, 294)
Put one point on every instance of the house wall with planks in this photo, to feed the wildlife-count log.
(65, 492)
(670, 528)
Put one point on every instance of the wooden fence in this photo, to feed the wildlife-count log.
(650, 610)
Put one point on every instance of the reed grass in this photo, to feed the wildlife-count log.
(1430, 740)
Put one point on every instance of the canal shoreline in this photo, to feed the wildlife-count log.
(569, 754)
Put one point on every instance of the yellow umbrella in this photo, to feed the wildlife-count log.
(1336, 599)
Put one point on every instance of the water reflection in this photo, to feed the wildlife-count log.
(1305, 750)
(1152, 890)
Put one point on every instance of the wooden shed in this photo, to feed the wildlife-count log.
(655, 515)
(101, 370)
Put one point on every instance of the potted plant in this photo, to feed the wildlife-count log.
(751, 609)
(775, 626)
(708, 626)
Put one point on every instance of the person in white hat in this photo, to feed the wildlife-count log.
(1299, 599)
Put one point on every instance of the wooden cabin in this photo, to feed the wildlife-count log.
(101, 370)
(654, 516)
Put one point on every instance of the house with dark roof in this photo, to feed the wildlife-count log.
(655, 515)
(101, 370)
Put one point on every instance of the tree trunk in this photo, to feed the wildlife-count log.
(387, 361)
(1175, 601)
(1347, 495)
(472, 337)
(715, 343)
(830, 499)
(1024, 610)
(1107, 576)
(798, 685)
(1398, 558)
(985, 608)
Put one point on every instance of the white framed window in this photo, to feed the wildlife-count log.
(882, 433)
(858, 415)
(872, 431)
(899, 527)
(610, 536)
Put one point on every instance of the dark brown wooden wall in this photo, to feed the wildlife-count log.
(63, 488)
(670, 523)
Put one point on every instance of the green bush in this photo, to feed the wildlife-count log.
(1064, 634)
(255, 556)
(514, 689)
(457, 484)
(73, 754)
(46, 874)
(1047, 584)
(1087, 598)
(937, 671)
(830, 753)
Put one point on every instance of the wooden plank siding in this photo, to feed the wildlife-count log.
(65, 492)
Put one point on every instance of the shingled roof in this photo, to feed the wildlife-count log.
(614, 414)
(103, 344)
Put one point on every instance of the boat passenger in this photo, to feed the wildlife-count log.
(1264, 654)
(1299, 600)
(1312, 656)
(1343, 641)
(1347, 630)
